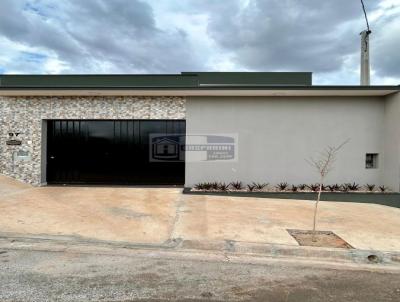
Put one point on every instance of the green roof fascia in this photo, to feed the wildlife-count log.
(186, 79)
(253, 78)
(97, 81)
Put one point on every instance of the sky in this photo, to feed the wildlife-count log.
(170, 36)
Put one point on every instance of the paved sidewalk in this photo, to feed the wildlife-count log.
(157, 215)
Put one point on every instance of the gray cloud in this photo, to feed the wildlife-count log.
(131, 36)
(119, 34)
(385, 41)
(310, 35)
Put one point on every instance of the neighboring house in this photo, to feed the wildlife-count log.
(91, 129)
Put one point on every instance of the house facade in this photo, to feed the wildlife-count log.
(195, 127)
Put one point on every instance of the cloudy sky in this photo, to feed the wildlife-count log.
(170, 36)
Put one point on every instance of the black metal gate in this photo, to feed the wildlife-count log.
(115, 152)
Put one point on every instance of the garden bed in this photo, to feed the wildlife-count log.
(391, 199)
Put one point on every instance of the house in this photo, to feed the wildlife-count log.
(260, 126)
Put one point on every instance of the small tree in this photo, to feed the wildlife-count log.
(323, 164)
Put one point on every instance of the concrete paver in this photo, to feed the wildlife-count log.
(10, 186)
(364, 226)
(120, 214)
(155, 215)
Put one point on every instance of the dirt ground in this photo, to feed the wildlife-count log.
(319, 239)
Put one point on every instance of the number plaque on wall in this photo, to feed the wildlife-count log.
(13, 142)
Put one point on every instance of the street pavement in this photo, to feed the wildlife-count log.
(154, 275)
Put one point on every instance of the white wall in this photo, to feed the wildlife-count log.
(277, 134)
(392, 142)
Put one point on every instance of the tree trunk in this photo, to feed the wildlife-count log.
(316, 210)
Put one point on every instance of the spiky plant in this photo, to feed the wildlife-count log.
(324, 188)
(295, 188)
(302, 187)
(223, 187)
(208, 186)
(353, 186)
(199, 186)
(332, 188)
(282, 186)
(251, 188)
(370, 187)
(345, 187)
(314, 187)
(260, 186)
(383, 188)
(237, 185)
(214, 186)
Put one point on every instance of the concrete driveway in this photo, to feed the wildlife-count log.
(156, 215)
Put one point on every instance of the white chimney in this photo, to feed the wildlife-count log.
(365, 65)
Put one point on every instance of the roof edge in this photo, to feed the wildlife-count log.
(210, 87)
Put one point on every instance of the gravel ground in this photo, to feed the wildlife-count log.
(73, 276)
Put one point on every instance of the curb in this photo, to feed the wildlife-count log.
(366, 258)
(354, 256)
(390, 199)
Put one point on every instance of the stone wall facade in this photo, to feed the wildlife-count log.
(25, 115)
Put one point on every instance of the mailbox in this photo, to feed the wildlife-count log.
(22, 155)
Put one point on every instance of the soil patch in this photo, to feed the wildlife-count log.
(322, 239)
